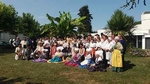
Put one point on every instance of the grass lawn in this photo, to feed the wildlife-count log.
(27, 72)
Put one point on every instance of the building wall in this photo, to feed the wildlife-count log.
(145, 20)
(7, 36)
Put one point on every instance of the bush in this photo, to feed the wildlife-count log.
(139, 52)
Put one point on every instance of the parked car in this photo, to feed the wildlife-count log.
(5, 45)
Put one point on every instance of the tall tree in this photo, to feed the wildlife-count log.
(8, 17)
(133, 3)
(28, 25)
(120, 23)
(62, 26)
(84, 11)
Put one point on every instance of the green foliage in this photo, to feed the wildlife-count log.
(120, 23)
(8, 17)
(87, 27)
(133, 3)
(62, 26)
(28, 25)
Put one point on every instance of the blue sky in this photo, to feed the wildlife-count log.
(101, 10)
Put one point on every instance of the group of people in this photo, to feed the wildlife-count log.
(95, 53)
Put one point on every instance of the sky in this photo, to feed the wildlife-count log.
(101, 10)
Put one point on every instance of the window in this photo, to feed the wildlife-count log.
(139, 41)
(147, 43)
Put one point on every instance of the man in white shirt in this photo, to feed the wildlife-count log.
(19, 52)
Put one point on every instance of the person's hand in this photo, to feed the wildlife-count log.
(19, 54)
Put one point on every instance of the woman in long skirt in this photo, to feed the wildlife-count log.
(117, 63)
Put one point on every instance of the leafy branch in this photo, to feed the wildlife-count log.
(133, 3)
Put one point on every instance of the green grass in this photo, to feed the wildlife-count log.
(27, 72)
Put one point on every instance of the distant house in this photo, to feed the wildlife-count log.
(140, 31)
(8, 36)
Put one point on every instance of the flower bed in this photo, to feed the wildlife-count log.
(139, 52)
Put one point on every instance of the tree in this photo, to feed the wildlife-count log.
(133, 3)
(84, 11)
(8, 17)
(121, 23)
(62, 26)
(28, 26)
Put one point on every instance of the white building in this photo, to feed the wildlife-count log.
(8, 36)
(141, 31)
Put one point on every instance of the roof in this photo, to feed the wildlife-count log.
(146, 12)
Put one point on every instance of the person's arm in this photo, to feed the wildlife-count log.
(119, 46)
(16, 50)
(83, 51)
(14, 43)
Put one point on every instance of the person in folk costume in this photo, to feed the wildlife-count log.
(93, 46)
(117, 63)
(99, 43)
(87, 45)
(87, 61)
(81, 52)
(60, 41)
(66, 51)
(102, 37)
(40, 51)
(79, 42)
(89, 37)
(104, 61)
(104, 43)
(74, 45)
(123, 42)
(53, 49)
(98, 65)
(58, 56)
(46, 45)
(98, 37)
(16, 42)
(40, 41)
(28, 52)
(24, 44)
(113, 43)
(95, 39)
(92, 41)
(74, 60)
(108, 51)
(19, 52)
(113, 39)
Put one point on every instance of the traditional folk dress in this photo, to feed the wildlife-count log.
(86, 61)
(41, 52)
(109, 48)
(75, 59)
(117, 58)
(58, 56)
(98, 65)
(53, 50)
(19, 53)
(81, 53)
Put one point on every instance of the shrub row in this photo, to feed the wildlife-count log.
(139, 52)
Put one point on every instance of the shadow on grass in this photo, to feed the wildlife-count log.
(6, 51)
(19, 80)
(4, 80)
(128, 65)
